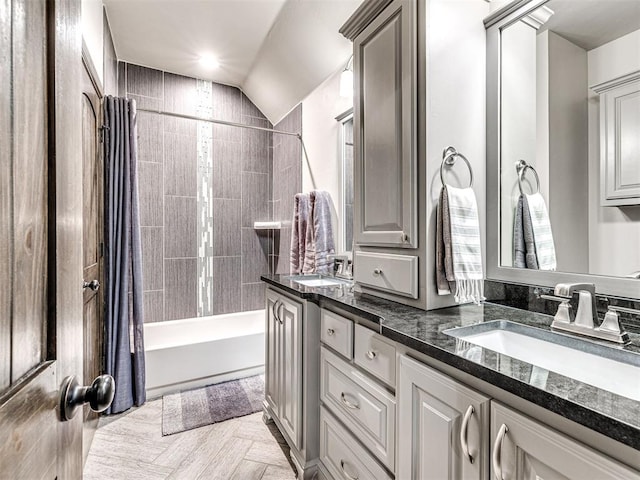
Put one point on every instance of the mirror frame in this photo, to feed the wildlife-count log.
(343, 118)
(606, 285)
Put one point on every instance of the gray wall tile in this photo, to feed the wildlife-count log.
(227, 103)
(179, 94)
(255, 198)
(150, 137)
(180, 233)
(255, 146)
(180, 289)
(227, 133)
(253, 296)
(110, 60)
(122, 79)
(248, 108)
(227, 169)
(284, 249)
(227, 292)
(150, 191)
(152, 257)
(153, 304)
(182, 126)
(226, 227)
(255, 254)
(180, 164)
(150, 103)
(144, 81)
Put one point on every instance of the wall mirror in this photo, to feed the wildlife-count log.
(549, 146)
(346, 154)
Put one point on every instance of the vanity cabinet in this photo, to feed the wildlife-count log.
(292, 360)
(443, 426)
(384, 40)
(524, 449)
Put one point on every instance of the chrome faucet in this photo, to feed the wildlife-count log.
(586, 318)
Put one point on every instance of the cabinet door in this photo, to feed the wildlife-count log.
(524, 449)
(290, 373)
(384, 128)
(272, 357)
(438, 436)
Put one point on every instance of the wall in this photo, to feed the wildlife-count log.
(201, 188)
(611, 229)
(92, 33)
(455, 106)
(322, 140)
(287, 181)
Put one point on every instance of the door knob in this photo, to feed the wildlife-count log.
(93, 285)
(98, 395)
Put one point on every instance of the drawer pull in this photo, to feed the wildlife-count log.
(354, 406)
(371, 355)
(377, 271)
(463, 433)
(342, 462)
(330, 331)
(497, 452)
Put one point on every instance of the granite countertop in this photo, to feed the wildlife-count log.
(607, 413)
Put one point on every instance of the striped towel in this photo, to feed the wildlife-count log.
(299, 232)
(319, 245)
(542, 234)
(458, 249)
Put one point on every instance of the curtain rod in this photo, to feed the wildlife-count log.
(240, 125)
(220, 122)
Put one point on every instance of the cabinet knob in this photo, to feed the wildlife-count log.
(377, 271)
(404, 237)
(350, 477)
(330, 331)
(371, 355)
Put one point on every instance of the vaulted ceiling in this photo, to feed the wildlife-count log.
(277, 51)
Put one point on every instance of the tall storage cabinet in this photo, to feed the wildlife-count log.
(291, 393)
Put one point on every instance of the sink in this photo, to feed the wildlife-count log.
(607, 368)
(317, 281)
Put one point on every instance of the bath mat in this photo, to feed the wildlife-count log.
(212, 404)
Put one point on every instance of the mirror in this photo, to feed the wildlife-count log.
(346, 149)
(547, 142)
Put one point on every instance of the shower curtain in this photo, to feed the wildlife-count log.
(124, 343)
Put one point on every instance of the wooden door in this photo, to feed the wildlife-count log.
(290, 317)
(92, 244)
(384, 129)
(435, 441)
(40, 236)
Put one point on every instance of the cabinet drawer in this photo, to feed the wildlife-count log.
(375, 354)
(366, 408)
(341, 454)
(384, 271)
(337, 332)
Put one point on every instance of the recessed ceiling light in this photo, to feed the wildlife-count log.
(209, 61)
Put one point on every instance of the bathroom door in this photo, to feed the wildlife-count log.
(40, 236)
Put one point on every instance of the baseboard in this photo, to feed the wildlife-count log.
(159, 391)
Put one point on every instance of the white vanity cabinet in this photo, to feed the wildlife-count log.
(443, 426)
(524, 449)
(384, 43)
(291, 375)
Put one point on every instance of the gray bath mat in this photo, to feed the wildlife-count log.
(215, 403)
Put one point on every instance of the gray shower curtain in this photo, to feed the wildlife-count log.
(123, 256)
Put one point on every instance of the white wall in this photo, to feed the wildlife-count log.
(93, 34)
(614, 232)
(321, 135)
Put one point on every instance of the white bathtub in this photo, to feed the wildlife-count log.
(184, 354)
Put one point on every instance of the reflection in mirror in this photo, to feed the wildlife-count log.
(554, 151)
(347, 181)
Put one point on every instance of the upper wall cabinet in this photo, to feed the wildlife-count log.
(384, 40)
(619, 145)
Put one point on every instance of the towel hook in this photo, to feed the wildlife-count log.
(449, 157)
(521, 168)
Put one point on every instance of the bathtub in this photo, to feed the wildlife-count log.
(185, 354)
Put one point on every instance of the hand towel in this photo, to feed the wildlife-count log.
(319, 237)
(524, 250)
(458, 249)
(299, 232)
(542, 234)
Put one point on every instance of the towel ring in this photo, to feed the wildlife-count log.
(521, 168)
(449, 157)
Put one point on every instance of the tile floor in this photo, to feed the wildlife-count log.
(131, 445)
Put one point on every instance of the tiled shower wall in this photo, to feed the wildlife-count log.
(201, 188)
(287, 181)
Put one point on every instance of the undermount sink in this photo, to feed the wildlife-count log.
(317, 281)
(607, 368)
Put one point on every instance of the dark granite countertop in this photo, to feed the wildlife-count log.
(602, 411)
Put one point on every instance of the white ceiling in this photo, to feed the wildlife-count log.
(277, 51)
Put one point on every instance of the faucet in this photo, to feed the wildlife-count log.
(586, 318)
